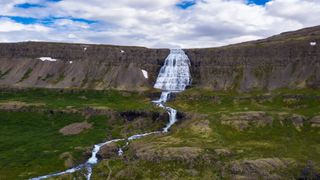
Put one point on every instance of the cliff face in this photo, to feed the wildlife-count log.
(287, 60)
(78, 66)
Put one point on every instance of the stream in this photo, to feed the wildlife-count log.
(174, 77)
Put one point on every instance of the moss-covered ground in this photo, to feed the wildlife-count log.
(30, 141)
(202, 128)
(199, 146)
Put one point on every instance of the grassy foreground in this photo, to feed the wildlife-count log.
(61, 99)
(219, 135)
(272, 145)
(30, 120)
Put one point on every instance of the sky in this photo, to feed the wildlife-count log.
(153, 23)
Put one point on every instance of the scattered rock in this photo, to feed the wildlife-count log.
(132, 115)
(184, 154)
(108, 151)
(260, 168)
(242, 120)
(315, 121)
(223, 152)
(83, 97)
(295, 119)
(75, 128)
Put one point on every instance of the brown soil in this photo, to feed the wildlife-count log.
(75, 128)
(14, 105)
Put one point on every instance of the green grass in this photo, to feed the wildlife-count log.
(26, 75)
(150, 170)
(79, 99)
(275, 141)
(30, 143)
(2, 74)
(304, 102)
(279, 140)
(60, 78)
(36, 144)
(48, 76)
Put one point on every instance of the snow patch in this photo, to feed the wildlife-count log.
(47, 59)
(70, 62)
(313, 43)
(145, 73)
(122, 51)
(84, 49)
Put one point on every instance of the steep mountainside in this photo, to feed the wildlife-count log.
(287, 60)
(78, 66)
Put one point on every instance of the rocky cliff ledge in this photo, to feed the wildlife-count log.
(288, 60)
(61, 65)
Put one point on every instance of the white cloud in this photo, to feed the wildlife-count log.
(8, 25)
(159, 23)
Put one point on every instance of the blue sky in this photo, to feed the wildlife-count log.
(156, 23)
(186, 4)
(258, 2)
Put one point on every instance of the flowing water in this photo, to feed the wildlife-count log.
(174, 76)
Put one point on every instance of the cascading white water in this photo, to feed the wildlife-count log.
(174, 76)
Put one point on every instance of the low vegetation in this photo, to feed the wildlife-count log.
(61, 99)
(219, 135)
(26, 75)
(33, 140)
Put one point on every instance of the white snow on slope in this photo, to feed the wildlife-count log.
(313, 43)
(145, 73)
(47, 59)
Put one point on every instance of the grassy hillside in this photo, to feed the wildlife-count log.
(230, 135)
(30, 120)
(219, 135)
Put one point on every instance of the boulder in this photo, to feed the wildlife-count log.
(68, 159)
(315, 121)
(108, 151)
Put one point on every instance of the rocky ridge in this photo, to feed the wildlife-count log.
(288, 60)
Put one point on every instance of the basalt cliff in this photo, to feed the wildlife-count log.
(288, 60)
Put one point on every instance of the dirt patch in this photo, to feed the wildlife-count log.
(75, 128)
(14, 105)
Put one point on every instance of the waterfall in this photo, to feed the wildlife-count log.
(174, 76)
